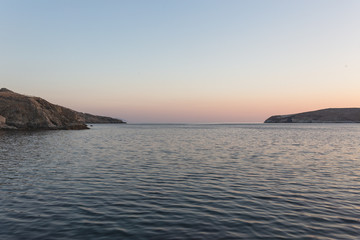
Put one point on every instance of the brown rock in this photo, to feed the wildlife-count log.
(26, 112)
(329, 115)
(2, 120)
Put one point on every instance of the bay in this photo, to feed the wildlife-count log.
(189, 181)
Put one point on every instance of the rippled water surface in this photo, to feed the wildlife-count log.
(259, 181)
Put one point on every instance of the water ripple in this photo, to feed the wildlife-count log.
(182, 182)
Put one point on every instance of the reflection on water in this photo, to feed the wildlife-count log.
(296, 181)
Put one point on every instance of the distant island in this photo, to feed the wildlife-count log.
(23, 112)
(329, 115)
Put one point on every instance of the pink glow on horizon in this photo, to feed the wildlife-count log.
(212, 111)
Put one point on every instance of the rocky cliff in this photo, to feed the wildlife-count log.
(89, 118)
(25, 112)
(329, 115)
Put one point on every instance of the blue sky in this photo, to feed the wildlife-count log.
(183, 61)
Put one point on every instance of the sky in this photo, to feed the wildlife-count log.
(183, 61)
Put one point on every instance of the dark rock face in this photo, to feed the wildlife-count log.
(329, 115)
(24, 112)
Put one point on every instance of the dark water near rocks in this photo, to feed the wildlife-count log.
(259, 181)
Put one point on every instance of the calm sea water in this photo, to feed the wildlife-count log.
(259, 181)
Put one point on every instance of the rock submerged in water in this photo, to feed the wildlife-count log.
(329, 115)
(29, 113)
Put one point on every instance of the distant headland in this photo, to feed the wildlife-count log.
(23, 112)
(329, 115)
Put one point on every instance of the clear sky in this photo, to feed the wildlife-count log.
(183, 60)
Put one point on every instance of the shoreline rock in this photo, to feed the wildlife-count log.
(23, 112)
(328, 115)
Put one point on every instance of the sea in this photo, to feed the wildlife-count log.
(182, 181)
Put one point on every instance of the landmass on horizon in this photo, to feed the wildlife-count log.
(23, 112)
(328, 115)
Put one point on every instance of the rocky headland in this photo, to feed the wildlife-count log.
(23, 112)
(89, 118)
(329, 115)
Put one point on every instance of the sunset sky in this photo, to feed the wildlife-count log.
(183, 61)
